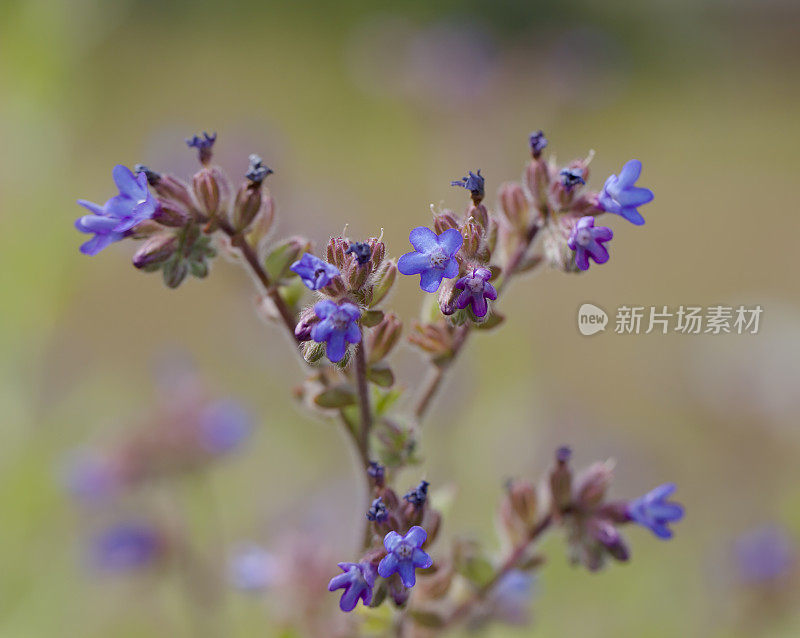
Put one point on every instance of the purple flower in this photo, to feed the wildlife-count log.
(252, 568)
(571, 177)
(621, 197)
(224, 425)
(91, 477)
(653, 511)
(476, 289)
(113, 221)
(377, 511)
(433, 257)
(419, 495)
(362, 251)
(587, 241)
(314, 272)
(337, 328)
(125, 546)
(538, 142)
(203, 144)
(357, 582)
(764, 554)
(405, 555)
(474, 183)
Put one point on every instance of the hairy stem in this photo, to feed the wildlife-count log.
(363, 402)
(510, 563)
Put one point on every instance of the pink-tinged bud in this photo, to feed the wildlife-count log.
(538, 177)
(146, 228)
(436, 339)
(444, 221)
(170, 188)
(606, 534)
(522, 498)
(262, 224)
(592, 484)
(479, 214)
(472, 232)
(246, 206)
(308, 318)
(514, 205)
(171, 214)
(155, 250)
(206, 191)
(382, 339)
(432, 522)
(586, 204)
(561, 481)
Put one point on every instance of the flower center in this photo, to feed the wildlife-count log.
(340, 321)
(583, 237)
(475, 285)
(404, 551)
(437, 258)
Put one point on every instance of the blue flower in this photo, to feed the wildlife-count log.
(125, 546)
(252, 568)
(405, 555)
(337, 328)
(224, 425)
(419, 495)
(357, 581)
(587, 241)
(474, 183)
(314, 272)
(621, 197)
(653, 511)
(764, 554)
(538, 142)
(476, 289)
(433, 257)
(115, 219)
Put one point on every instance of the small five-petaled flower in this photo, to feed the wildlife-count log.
(337, 328)
(314, 272)
(357, 582)
(433, 257)
(654, 511)
(405, 555)
(621, 196)
(587, 241)
(476, 289)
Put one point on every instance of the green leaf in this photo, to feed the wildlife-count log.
(371, 318)
(283, 255)
(429, 619)
(385, 399)
(338, 396)
(381, 374)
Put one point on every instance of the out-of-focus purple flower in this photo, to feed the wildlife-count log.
(357, 582)
(433, 257)
(587, 241)
(510, 599)
(654, 511)
(314, 272)
(622, 197)
(90, 477)
(571, 177)
(405, 555)
(203, 143)
(474, 183)
(113, 221)
(361, 250)
(377, 512)
(419, 495)
(252, 568)
(338, 326)
(376, 472)
(125, 546)
(224, 424)
(476, 289)
(538, 142)
(764, 554)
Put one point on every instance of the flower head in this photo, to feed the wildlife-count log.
(538, 142)
(125, 546)
(357, 581)
(314, 272)
(433, 257)
(362, 251)
(405, 555)
(476, 289)
(114, 220)
(474, 183)
(338, 326)
(203, 144)
(620, 195)
(419, 495)
(653, 511)
(377, 511)
(224, 425)
(571, 177)
(587, 241)
(252, 568)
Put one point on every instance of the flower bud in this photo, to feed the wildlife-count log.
(604, 532)
(174, 271)
(283, 254)
(561, 481)
(246, 206)
(171, 214)
(308, 318)
(262, 224)
(172, 189)
(514, 205)
(538, 176)
(383, 338)
(444, 221)
(312, 351)
(211, 190)
(479, 214)
(556, 249)
(383, 281)
(155, 250)
(592, 484)
(521, 496)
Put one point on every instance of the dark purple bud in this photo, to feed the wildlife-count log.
(563, 454)
(377, 511)
(155, 250)
(152, 177)
(474, 183)
(203, 144)
(571, 177)
(419, 495)
(361, 251)
(257, 171)
(377, 473)
(538, 142)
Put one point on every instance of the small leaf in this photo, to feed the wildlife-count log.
(283, 255)
(385, 399)
(429, 619)
(492, 321)
(381, 374)
(371, 318)
(336, 397)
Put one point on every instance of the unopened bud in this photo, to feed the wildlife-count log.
(592, 484)
(174, 271)
(308, 319)
(283, 254)
(608, 536)
(171, 188)
(262, 224)
(473, 234)
(479, 214)
(432, 522)
(522, 499)
(561, 481)
(383, 338)
(155, 250)
(206, 191)
(383, 281)
(171, 214)
(246, 206)
(313, 351)
(444, 221)
(538, 176)
(514, 205)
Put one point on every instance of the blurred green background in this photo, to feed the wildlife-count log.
(366, 111)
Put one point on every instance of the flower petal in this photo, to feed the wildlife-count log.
(431, 279)
(336, 347)
(451, 269)
(126, 182)
(630, 173)
(421, 560)
(413, 263)
(451, 240)
(416, 536)
(406, 570)
(353, 334)
(422, 239)
(388, 565)
(325, 307)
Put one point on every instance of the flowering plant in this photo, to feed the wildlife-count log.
(333, 307)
